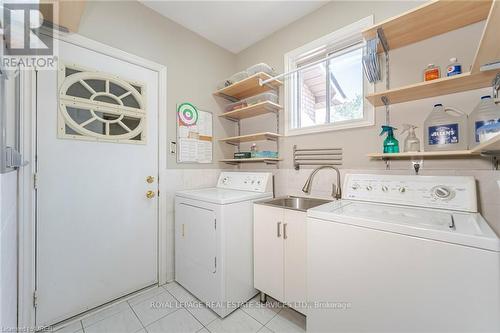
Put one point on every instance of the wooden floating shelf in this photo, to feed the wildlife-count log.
(424, 154)
(251, 160)
(488, 50)
(428, 20)
(438, 87)
(252, 111)
(249, 87)
(492, 145)
(252, 137)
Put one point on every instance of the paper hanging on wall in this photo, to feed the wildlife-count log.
(194, 134)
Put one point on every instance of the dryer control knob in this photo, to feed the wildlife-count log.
(442, 192)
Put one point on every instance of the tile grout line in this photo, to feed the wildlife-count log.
(204, 326)
(267, 322)
(135, 314)
(151, 323)
(192, 315)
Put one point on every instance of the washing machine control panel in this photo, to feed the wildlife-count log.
(246, 181)
(447, 192)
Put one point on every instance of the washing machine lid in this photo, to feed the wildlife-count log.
(468, 229)
(222, 196)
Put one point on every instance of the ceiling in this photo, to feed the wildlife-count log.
(234, 25)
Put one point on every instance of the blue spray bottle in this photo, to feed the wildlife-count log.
(391, 145)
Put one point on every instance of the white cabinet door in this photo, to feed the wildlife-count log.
(195, 250)
(294, 234)
(268, 250)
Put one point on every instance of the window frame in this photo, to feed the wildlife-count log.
(137, 89)
(346, 36)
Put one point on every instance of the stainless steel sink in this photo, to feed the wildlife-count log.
(295, 203)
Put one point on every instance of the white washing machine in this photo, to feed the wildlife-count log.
(403, 254)
(214, 239)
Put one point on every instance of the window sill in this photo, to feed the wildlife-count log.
(328, 128)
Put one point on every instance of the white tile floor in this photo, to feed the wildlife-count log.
(171, 308)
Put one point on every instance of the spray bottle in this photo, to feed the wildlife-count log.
(391, 145)
(411, 143)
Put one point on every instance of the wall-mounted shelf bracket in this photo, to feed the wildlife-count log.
(383, 40)
(232, 119)
(494, 155)
(496, 86)
(387, 103)
(229, 98)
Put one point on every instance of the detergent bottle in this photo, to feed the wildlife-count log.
(391, 145)
(411, 142)
(445, 129)
(485, 113)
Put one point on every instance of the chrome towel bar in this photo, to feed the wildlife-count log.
(316, 156)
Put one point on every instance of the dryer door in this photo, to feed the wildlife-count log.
(196, 250)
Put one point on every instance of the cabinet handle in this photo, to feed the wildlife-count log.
(284, 231)
(278, 229)
(183, 230)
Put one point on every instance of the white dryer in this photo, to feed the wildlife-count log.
(214, 239)
(403, 254)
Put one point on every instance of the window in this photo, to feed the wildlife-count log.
(328, 92)
(101, 107)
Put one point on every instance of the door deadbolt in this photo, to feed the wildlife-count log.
(150, 179)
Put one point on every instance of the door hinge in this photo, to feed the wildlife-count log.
(35, 298)
(35, 181)
(215, 224)
(215, 265)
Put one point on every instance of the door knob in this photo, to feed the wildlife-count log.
(150, 179)
(150, 194)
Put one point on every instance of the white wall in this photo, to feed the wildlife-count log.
(8, 251)
(407, 65)
(194, 65)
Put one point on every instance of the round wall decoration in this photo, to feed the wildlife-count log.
(187, 113)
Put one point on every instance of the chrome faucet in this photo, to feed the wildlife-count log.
(336, 190)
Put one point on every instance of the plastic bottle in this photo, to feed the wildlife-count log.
(485, 113)
(454, 68)
(411, 142)
(391, 145)
(432, 72)
(445, 129)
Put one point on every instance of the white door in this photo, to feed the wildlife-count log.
(97, 121)
(196, 250)
(268, 250)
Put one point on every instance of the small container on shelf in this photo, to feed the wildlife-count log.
(236, 106)
(270, 96)
(242, 154)
(261, 67)
(454, 68)
(265, 154)
(488, 132)
(432, 72)
(237, 77)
